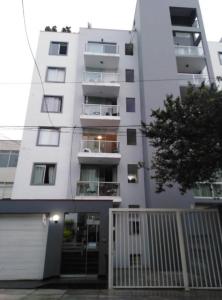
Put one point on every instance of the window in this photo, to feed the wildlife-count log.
(129, 75)
(52, 104)
(133, 206)
(132, 174)
(43, 174)
(131, 137)
(135, 259)
(58, 48)
(220, 57)
(129, 49)
(55, 74)
(8, 159)
(130, 105)
(48, 136)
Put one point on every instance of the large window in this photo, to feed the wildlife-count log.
(129, 75)
(52, 104)
(8, 158)
(130, 105)
(43, 174)
(132, 173)
(131, 137)
(48, 136)
(220, 57)
(58, 48)
(55, 74)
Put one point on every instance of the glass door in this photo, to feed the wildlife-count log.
(80, 249)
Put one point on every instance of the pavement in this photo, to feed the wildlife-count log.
(69, 294)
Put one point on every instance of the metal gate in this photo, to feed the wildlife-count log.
(154, 248)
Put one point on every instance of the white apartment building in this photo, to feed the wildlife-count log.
(85, 153)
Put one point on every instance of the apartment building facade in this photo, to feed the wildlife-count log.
(85, 152)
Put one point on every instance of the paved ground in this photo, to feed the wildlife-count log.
(47, 294)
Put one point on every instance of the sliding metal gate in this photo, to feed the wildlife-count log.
(151, 248)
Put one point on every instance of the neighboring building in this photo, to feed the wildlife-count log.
(83, 159)
(216, 57)
(9, 151)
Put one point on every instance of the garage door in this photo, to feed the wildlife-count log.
(22, 246)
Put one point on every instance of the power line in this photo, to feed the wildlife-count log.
(122, 81)
(37, 68)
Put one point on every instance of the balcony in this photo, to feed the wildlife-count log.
(100, 115)
(190, 59)
(101, 84)
(99, 152)
(195, 79)
(102, 56)
(94, 190)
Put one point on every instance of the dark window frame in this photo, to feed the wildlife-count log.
(49, 81)
(129, 49)
(128, 105)
(131, 136)
(130, 76)
(43, 164)
(52, 112)
(10, 153)
(48, 128)
(131, 173)
(59, 43)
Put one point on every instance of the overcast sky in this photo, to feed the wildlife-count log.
(16, 64)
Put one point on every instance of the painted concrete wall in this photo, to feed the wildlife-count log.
(30, 152)
(158, 72)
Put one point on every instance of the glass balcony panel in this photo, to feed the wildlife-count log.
(100, 146)
(217, 190)
(5, 190)
(101, 77)
(85, 188)
(108, 189)
(101, 48)
(102, 110)
(189, 51)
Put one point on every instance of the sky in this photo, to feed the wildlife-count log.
(16, 63)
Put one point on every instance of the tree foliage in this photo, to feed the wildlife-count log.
(187, 137)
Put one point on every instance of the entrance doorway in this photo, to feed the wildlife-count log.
(80, 249)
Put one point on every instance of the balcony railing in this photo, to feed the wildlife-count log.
(100, 146)
(102, 48)
(208, 190)
(195, 79)
(100, 110)
(189, 51)
(95, 188)
(101, 77)
(5, 190)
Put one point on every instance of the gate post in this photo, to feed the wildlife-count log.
(110, 254)
(182, 250)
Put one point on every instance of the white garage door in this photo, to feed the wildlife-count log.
(22, 246)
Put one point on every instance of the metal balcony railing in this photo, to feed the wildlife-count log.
(189, 51)
(99, 146)
(101, 77)
(95, 188)
(102, 48)
(101, 110)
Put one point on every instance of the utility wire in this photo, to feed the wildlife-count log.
(123, 81)
(37, 68)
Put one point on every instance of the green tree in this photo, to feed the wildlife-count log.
(187, 137)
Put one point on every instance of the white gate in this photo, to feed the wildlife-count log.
(154, 248)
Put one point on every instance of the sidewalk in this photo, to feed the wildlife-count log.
(50, 294)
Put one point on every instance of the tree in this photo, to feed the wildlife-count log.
(187, 138)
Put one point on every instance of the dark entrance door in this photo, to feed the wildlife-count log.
(80, 250)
